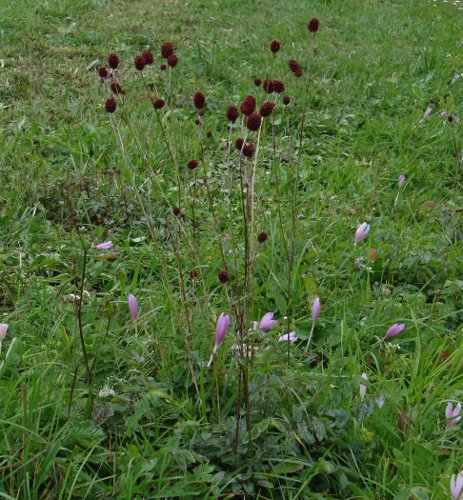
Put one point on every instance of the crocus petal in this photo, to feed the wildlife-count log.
(133, 306)
(103, 246)
(221, 329)
(267, 323)
(453, 487)
(401, 180)
(291, 337)
(3, 330)
(449, 410)
(362, 232)
(456, 410)
(395, 329)
(459, 484)
(427, 112)
(316, 306)
(363, 387)
(452, 422)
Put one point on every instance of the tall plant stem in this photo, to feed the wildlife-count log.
(79, 311)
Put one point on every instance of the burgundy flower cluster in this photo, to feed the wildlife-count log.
(313, 25)
(246, 149)
(295, 68)
(167, 52)
(144, 59)
(248, 106)
(199, 101)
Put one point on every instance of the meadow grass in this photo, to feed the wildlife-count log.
(151, 420)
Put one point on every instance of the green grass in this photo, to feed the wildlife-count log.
(139, 429)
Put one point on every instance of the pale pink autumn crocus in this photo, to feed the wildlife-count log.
(456, 486)
(361, 232)
(394, 330)
(452, 413)
(220, 332)
(455, 79)
(3, 330)
(103, 246)
(427, 112)
(316, 306)
(363, 387)
(290, 337)
(267, 322)
(133, 306)
(401, 181)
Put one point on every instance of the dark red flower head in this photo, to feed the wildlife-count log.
(450, 118)
(192, 164)
(113, 60)
(110, 105)
(248, 150)
(253, 122)
(172, 60)
(257, 82)
(199, 100)
(197, 122)
(209, 134)
(147, 57)
(232, 113)
(176, 210)
(248, 106)
(223, 276)
(159, 103)
(278, 86)
(117, 89)
(286, 100)
(313, 25)
(275, 46)
(167, 50)
(267, 108)
(139, 63)
(269, 86)
(163, 67)
(193, 274)
(239, 143)
(262, 237)
(298, 73)
(102, 72)
(293, 65)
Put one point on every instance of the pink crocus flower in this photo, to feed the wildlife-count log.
(221, 329)
(450, 413)
(133, 306)
(363, 387)
(290, 337)
(362, 232)
(103, 246)
(455, 79)
(443, 114)
(3, 330)
(220, 332)
(456, 486)
(394, 330)
(316, 306)
(427, 112)
(401, 180)
(267, 322)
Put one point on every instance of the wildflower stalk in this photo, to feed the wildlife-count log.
(185, 335)
(79, 310)
(166, 139)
